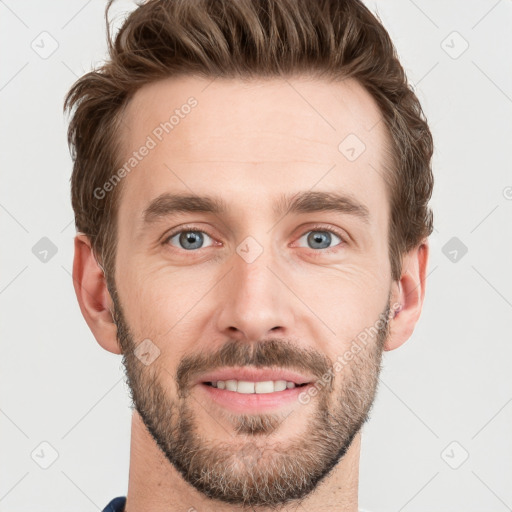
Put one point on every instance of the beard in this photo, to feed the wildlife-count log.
(252, 469)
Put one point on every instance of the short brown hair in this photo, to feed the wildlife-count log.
(331, 39)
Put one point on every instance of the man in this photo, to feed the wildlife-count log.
(251, 183)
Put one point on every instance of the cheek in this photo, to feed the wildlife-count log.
(340, 302)
(162, 301)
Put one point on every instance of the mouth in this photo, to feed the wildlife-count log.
(248, 387)
(251, 390)
(226, 377)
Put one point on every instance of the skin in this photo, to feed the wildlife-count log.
(249, 143)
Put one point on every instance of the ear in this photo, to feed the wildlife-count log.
(93, 295)
(409, 292)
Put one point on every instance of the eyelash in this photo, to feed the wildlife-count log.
(317, 227)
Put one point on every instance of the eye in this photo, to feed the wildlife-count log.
(320, 238)
(188, 239)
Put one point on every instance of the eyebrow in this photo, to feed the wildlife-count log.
(168, 204)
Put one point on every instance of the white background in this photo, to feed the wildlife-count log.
(450, 382)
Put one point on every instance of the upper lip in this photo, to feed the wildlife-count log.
(254, 375)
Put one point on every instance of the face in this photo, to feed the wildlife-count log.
(250, 240)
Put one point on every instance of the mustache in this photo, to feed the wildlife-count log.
(273, 353)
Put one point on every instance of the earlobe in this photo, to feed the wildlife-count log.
(408, 297)
(93, 296)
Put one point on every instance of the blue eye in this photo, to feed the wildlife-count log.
(189, 239)
(319, 239)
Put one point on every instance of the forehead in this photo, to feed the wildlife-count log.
(251, 141)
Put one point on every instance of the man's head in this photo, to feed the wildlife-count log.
(251, 183)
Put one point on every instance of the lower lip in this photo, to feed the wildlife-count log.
(253, 402)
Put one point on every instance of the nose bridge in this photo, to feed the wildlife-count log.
(254, 300)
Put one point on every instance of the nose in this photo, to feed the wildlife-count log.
(255, 303)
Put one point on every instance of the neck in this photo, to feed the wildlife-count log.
(156, 486)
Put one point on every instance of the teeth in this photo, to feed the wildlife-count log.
(243, 386)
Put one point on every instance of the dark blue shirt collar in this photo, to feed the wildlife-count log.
(116, 505)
